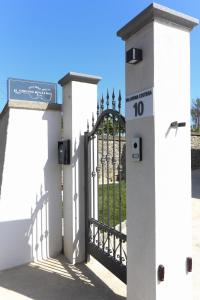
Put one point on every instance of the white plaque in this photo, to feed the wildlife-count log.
(139, 105)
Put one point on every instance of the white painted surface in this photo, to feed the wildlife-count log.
(172, 159)
(159, 187)
(140, 179)
(139, 105)
(30, 189)
(79, 102)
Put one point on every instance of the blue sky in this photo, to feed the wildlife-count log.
(45, 39)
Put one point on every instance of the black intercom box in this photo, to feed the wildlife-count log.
(64, 152)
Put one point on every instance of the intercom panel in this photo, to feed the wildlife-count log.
(137, 149)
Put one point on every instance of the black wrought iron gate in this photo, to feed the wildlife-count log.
(105, 191)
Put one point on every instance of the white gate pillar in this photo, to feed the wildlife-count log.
(158, 186)
(79, 102)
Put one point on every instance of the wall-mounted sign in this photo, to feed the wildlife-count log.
(139, 105)
(20, 89)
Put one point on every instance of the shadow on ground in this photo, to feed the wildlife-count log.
(54, 279)
(196, 183)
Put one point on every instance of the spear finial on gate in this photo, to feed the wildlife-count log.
(107, 97)
(113, 100)
(102, 103)
(87, 126)
(119, 101)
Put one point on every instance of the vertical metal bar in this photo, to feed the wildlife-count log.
(86, 196)
(97, 169)
(102, 174)
(102, 171)
(120, 195)
(114, 192)
(114, 166)
(108, 180)
(120, 192)
(108, 165)
(93, 187)
(97, 172)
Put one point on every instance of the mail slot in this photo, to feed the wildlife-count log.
(64, 152)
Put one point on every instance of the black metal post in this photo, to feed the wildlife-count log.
(86, 196)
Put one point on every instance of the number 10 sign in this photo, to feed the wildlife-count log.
(139, 105)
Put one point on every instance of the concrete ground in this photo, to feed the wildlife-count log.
(55, 279)
(196, 233)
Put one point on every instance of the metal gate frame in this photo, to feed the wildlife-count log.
(102, 253)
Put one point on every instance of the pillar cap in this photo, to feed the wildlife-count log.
(156, 11)
(73, 76)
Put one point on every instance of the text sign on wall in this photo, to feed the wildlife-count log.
(20, 89)
(139, 105)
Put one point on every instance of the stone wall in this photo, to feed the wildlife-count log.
(195, 150)
(114, 166)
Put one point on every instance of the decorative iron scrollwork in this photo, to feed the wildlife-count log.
(105, 239)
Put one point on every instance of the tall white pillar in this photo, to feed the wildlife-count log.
(79, 102)
(159, 186)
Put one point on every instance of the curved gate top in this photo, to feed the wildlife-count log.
(105, 188)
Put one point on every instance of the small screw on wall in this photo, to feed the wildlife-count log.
(189, 264)
(161, 273)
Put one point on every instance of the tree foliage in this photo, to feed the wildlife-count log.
(110, 127)
(195, 114)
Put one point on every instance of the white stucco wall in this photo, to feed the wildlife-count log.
(79, 102)
(172, 158)
(159, 187)
(30, 198)
(141, 178)
(139, 77)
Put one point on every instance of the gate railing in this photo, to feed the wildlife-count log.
(105, 188)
